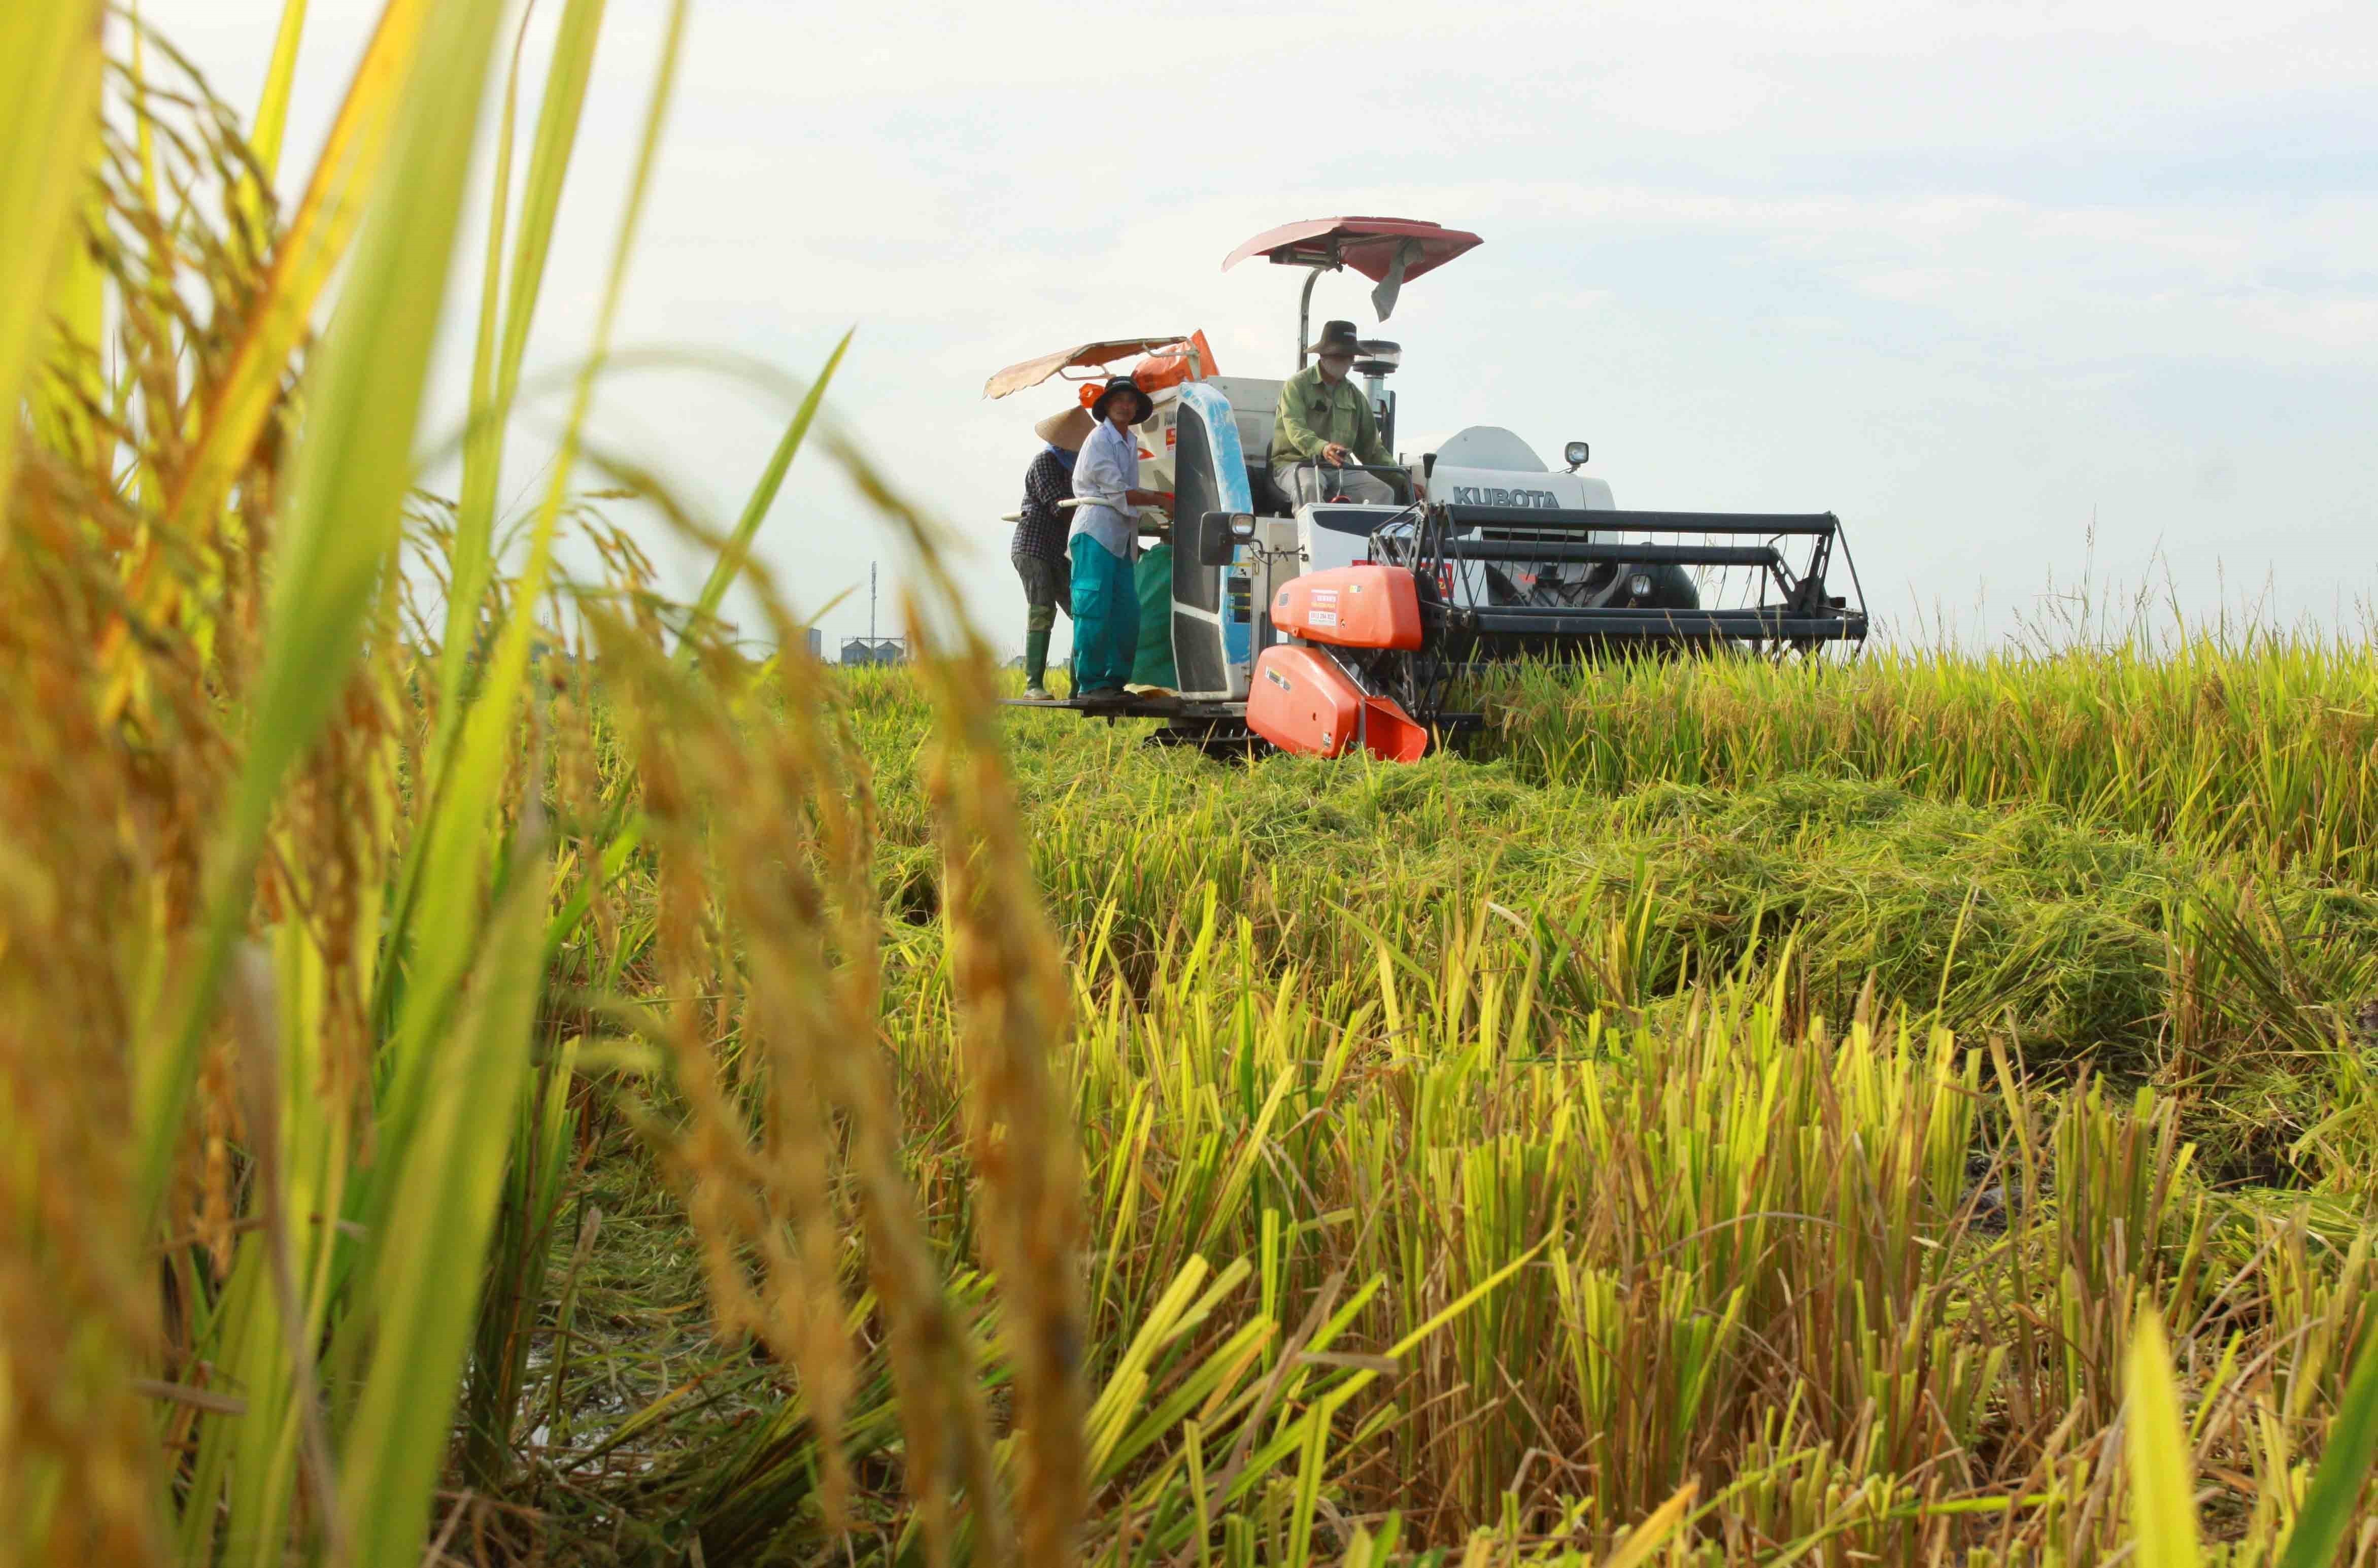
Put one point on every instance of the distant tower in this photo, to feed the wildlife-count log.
(872, 649)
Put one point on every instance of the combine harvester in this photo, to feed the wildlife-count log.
(1334, 626)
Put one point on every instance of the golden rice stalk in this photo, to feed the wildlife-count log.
(78, 1310)
(355, 465)
(49, 103)
(308, 256)
(744, 813)
(110, 783)
(1009, 976)
(759, 804)
(77, 1453)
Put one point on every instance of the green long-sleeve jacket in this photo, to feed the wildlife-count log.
(1313, 413)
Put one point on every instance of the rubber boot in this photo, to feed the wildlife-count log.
(1036, 662)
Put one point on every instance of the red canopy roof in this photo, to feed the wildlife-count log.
(1367, 244)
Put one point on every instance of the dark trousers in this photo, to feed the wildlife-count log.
(1048, 588)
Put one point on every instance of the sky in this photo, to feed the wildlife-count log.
(2028, 295)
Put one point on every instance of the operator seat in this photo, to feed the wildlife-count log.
(1269, 500)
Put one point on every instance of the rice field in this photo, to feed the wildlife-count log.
(491, 1073)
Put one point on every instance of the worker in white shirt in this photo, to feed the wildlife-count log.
(1104, 541)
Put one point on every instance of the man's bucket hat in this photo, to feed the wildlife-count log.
(1336, 337)
(1122, 384)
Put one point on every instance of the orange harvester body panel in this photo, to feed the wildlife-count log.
(1301, 701)
(1366, 606)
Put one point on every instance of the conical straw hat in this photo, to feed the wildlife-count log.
(1068, 429)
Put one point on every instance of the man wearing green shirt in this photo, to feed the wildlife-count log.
(1324, 424)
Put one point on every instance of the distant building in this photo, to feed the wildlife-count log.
(816, 644)
(874, 650)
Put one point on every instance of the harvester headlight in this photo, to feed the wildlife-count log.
(1219, 534)
(1640, 585)
(1575, 454)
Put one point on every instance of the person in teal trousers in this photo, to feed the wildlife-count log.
(1105, 540)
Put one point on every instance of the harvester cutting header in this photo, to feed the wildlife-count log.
(1326, 583)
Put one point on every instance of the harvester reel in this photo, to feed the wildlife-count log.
(1545, 583)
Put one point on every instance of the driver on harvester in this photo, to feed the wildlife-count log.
(1323, 426)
